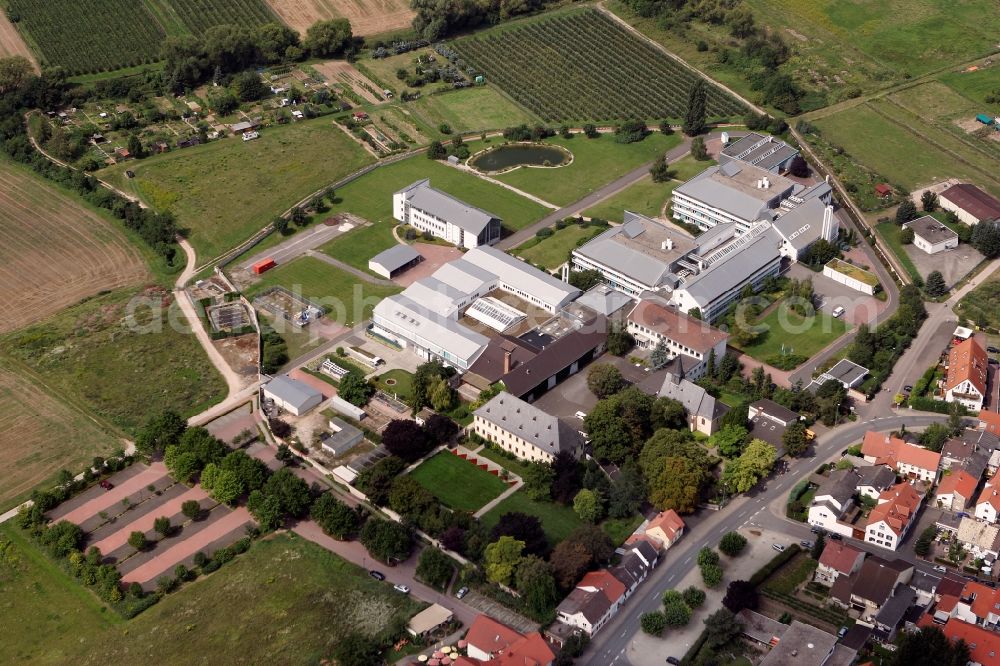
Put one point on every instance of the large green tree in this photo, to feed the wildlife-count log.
(754, 463)
(694, 119)
(501, 559)
(536, 583)
(326, 39)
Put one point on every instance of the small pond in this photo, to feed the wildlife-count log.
(507, 157)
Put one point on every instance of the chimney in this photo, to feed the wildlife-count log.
(506, 361)
(827, 179)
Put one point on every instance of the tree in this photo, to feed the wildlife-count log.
(326, 39)
(934, 436)
(501, 559)
(631, 131)
(162, 526)
(440, 429)
(732, 543)
(693, 597)
(799, 167)
(929, 201)
(537, 477)
(986, 238)
(595, 541)
(627, 492)
(818, 546)
(935, 285)
(591, 131)
(929, 645)
(586, 280)
(589, 506)
(922, 546)
(356, 649)
(694, 119)
(620, 341)
(537, 585)
(191, 509)
(794, 439)
(15, 71)
(753, 464)
(604, 379)
(653, 623)
(160, 431)
(907, 211)
(659, 357)
(907, 235)
(137, 540)
(570, 560)
(291, 491)
(377, 479)
(711, 575)
(707, 556)
(566, 473)
(227, 486)
(135, 146)
(249, 87)
(731, 440)
(355, 389)
(405, 439)
(675, 483)
(182, 465)
(525, 529)
(279, 428)
(280, 225)
(266, 509)
(720, 628)
(386, 540)
(661, 171)
(253, 473)
(442, 395)
(675, 611)
(435, 568)
(273, 41)
(739, 595)
(335, 517)
(698, 149)
(665, 127)
(436, 151)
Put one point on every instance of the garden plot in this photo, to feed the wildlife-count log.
(347, 76)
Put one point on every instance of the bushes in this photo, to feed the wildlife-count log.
(435, 568)
(732, 543)
(386, 541)
(653, 623)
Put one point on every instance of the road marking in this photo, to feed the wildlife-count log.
(623, 634)
(687, 560)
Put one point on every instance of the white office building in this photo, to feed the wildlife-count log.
(442, 215)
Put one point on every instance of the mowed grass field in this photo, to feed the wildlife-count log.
(54, 251)
(788, 332)
(285, 601)
(552, 252)
(124, 356)
(349, 299)
(457, 482)
(40, 435)
(225, 191)
(471, 109)
(596, 162)
(646, 197)
(558, 521)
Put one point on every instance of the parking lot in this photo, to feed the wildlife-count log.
(858, 308)
(953, 264)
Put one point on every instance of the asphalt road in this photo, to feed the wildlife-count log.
(613, 640)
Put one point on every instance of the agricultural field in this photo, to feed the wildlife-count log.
(39, 435)
(457, 482)
(200, 15)
(216, 190)
(596, 162)
(550, 253)
(975, 85)
(349, 299)
(86, 36)
(247, 602)
(122, 356)
(12, 43)
(54, 251)
(368, 17)
(550, 66)
(470, 110)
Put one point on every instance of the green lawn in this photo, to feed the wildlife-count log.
(552, 252)
(973, 85)
(982, 304)
(92, 356)
(226, 190)
(457, 482)
(620, 529)
(889, 231)
(596, 162)
(348, 299)
(370, 197)
(788, 331)
(558, 521)
(509, 463)
(471, 110)
(248, 602)
(402, 386)
(646, 197)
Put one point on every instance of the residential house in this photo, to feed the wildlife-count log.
(524, 430)
(805, 645)
(932, 236)
(704, 412)
(845, 372)
(979, 605)
(956, 490)
(988, 503)
(636, 563)
(443, 216)
(490, 643)
(666, 528)
(838, 559)
(873, 480)
(768, 421)
(989, 421)
(970, 450)
(967, 374)
(866, 591)
(984, 645)
(969, 203)
(980, 539)
(592, 603)
(653, 324)
(893, 516)
(832, 502)
(926, 587)
(760, 629)
(909, 460)
(890, 617)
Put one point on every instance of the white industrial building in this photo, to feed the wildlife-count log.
(442, 215)
(932, 236)
(291, 395)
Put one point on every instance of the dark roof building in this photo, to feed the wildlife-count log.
(968, 198)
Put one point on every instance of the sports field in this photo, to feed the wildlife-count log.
(54, 251)
(40, 435)
(225, 191)
(349, 299)
(457, 482)
(247, 605)
(121, 355)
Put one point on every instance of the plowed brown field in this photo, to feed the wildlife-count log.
(53, 251)
(367, 17)
(11, 42)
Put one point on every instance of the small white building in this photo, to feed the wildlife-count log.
(851, 276)
(932, 236)
(291, 395)
(443, 216)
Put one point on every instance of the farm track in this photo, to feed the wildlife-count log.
(53, 252)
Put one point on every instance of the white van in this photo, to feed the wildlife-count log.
(839, 311)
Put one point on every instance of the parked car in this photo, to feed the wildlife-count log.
(836, 537)
(817, 530)
(993, 350)
(908, 388)
(839, 311)
(842, 632)
(778, 547)
(806, 544)
(940, 569)
(462, 592)
(377, 575)
(581, 415)
(673, 660)
(107, 485)
(399, 587)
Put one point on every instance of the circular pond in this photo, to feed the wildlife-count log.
(511, 156)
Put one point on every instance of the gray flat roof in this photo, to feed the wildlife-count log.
(802, 225)
(604, 300)
(636, 249)
(801, 644)
(522, 276)
(446, 207)
(395, 257)
(847, 371)
(732, 188)
(531, 424)
(760, 150)
(291, 391)
(725, 275)
(931, 230)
